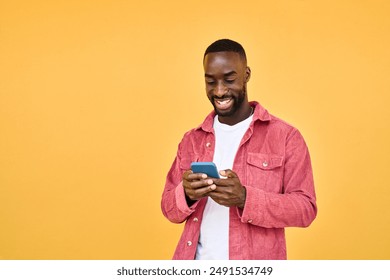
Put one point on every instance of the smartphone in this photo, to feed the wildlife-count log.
(208, 168)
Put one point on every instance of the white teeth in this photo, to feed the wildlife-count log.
(223, 102)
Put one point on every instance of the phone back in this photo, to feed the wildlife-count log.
(208, 168)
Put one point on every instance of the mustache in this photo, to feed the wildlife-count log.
(225, 96)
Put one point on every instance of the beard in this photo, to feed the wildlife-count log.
(236, 99)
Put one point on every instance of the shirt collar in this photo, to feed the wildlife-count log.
(260, 113)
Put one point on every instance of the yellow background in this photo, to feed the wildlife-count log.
(95, 96)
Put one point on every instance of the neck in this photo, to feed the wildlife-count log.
(239, 116)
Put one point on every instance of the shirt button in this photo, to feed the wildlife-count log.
(208, 144)
(250, 221)
(265, 164)
(195, 220)
(189, 243)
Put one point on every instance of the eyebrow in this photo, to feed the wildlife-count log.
(225, 75)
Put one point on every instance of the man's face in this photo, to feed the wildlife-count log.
(226, 75)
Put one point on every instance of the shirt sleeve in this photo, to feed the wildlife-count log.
(173, 203)
(296, 204)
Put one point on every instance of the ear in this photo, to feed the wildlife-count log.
(247, 74)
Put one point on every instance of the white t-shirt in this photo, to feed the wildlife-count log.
(214, 231)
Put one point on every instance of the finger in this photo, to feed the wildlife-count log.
(198, 193)
(226, 198)
(225, 188)
(201, 183)
(205, 190)
(196, 176)
(225, 182)
(219, 198)
(228, 173)
(186, 174)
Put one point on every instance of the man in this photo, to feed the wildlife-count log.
(266, 179)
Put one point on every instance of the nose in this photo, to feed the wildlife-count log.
(220, 90)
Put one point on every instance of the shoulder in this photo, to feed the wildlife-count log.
(195, 136)
(194, 132)
(266, 122)
(281, 124)
(204, 128)
(263, 118)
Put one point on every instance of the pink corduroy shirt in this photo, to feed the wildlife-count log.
(272, 163)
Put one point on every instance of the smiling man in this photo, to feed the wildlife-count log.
(266, 179)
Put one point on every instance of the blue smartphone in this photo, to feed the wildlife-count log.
(208, 168)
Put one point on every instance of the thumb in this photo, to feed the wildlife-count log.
(228, 173)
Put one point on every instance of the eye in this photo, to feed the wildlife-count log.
(230, 81)
(210, 82)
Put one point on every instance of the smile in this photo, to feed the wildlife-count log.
(223, 104)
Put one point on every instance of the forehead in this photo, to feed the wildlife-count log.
(223, 61)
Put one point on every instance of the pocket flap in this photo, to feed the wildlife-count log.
(265, 161)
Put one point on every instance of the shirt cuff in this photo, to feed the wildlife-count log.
(181, 201)
(254, 203)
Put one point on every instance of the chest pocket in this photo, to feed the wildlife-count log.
(265, 171)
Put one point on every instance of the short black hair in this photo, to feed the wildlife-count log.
(226, 45)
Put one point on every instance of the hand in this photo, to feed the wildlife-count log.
(229, 191)
(197, 185)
